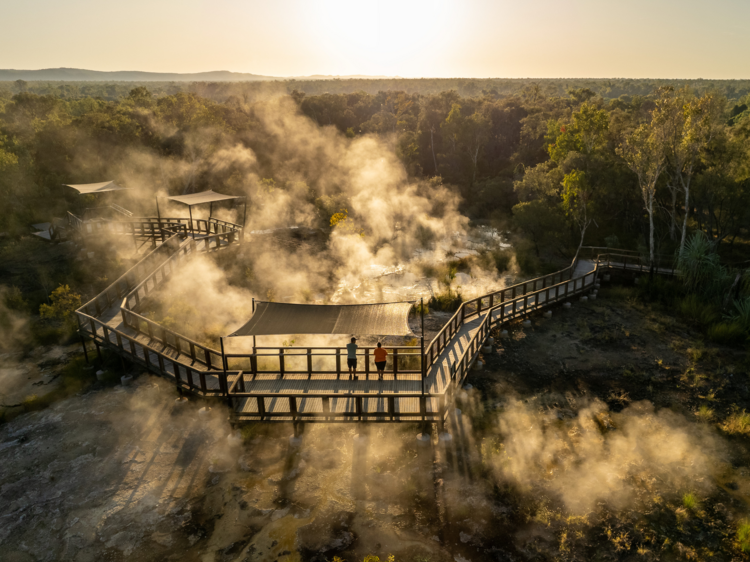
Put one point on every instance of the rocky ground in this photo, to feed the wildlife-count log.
(584, 437)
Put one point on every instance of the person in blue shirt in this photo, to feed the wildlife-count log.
(351, 358)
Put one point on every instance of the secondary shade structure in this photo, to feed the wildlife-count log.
(101, 187)
(273, 318)
(202, 198)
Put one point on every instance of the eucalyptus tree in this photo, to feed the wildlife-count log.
(643, 152)
(579, 148)
(686, 125)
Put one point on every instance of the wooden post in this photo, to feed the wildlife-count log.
(367, 363)
(338, 363)
(253, 336)
(309, 363)
(225, 390)
(422, 363)
(395, 364)
(85, 353)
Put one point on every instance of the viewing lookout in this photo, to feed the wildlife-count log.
(308, 384)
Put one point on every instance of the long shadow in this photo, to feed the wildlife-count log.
(291, 464)
(359, 462)
(461, 445)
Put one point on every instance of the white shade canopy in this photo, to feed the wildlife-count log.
(273, 318)
(101, 187)
(209, 196)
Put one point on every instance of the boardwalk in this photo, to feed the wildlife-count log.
(113, 319)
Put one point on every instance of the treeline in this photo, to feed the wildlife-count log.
(608, 88)
(559, 170)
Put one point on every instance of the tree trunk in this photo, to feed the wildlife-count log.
(685, 218)
(673, 214)
(651, 234)
(432, 146)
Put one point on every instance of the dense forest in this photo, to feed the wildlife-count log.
(640, 170)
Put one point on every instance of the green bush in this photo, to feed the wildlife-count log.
(729, 333)
(743, 536)
(527, 260)
(47, 333)
(741, 313)
(690, 501)
(447, 301)
(420, 308)
(659, 289)
(502, 259)
(698, 311)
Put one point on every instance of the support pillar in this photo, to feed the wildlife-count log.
(85, 353)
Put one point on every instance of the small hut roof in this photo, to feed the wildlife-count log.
(209, 196)
(101, 187)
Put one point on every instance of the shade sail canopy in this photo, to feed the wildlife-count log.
(101, 187)
(272, 318)
(209, 196)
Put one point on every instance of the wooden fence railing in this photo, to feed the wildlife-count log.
(211, 373)
(125, 283)
(474, 307)
(281, 361)
(205, 382)
(629, 262)
(270, 406)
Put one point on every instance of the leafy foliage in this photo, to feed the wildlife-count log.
(64, 301)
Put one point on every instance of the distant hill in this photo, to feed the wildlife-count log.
(78, 74)
(82, 75)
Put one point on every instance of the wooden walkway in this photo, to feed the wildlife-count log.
(113, 319)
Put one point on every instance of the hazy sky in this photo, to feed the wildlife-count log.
(410, 38)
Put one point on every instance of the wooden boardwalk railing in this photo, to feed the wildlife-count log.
(113, 318)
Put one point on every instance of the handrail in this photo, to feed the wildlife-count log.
(124, 277)
(460, 316)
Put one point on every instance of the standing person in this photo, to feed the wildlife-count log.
(380, 356)
(351, 358)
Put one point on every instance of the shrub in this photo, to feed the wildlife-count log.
(743, 536)
(705, 414)
(446, 302)
(658, 289)
(737, 422)
(729, 333)
(690, 501)
(741, 313)
(527, 260)
(502, 259)
(64, 303)
(46, 333)
(419, 308)
(698, 311)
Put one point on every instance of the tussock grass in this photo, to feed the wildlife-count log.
(743, 536)
(705, 414)
(728, 333)
(697, 311)
(690, 501)
(737, 423)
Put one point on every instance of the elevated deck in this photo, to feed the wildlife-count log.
(315, 394)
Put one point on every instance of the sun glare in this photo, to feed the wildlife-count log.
(381, 33)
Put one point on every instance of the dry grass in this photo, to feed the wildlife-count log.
(738, 423)
(705, 414)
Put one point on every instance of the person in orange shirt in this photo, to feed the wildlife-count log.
(380, 355)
